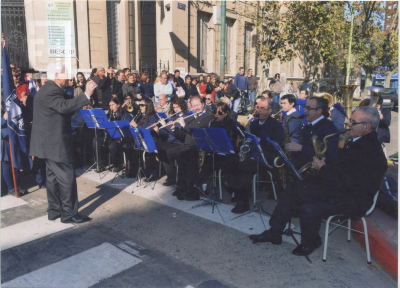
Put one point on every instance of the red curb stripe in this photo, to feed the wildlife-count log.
(382, 249)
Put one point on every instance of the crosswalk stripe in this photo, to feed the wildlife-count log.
(82, 270)
(30, 230)
(8, 202)
(249, 224)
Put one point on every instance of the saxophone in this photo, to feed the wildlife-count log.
(287, 140)
(202, 154)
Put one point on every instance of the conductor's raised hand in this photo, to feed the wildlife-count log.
(90, 86)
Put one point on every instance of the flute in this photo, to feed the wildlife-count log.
(152, 125)
(172, 122)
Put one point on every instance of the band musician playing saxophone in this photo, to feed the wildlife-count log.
(316, 113)
(346, 185)
(261, 127)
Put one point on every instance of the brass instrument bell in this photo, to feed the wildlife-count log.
(376, 92)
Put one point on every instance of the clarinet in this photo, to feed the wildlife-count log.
(106, 134)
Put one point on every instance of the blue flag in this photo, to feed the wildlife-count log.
(15, 121)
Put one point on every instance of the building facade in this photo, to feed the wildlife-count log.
(391, 11)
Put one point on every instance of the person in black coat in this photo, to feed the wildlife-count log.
(187, 160)
(228, 163)
(208, 105)
(261, 127)
(316, 113)
(385, 117)
(144, 120)
(228, 90)
(170, 147)
(345, 186)
(295, 125)
(52, 140)
(103, 90)
(105, 143)
(178, 77)
(117, 86)
(189, 88)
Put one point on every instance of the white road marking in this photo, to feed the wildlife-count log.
(30, 230)
(249, 224)
(82, 270)
(129, 249)
(8, 202)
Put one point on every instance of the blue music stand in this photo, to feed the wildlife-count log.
(95, 119)
(212, 140)
(258, 155)
(144, 142)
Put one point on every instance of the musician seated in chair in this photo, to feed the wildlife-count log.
(345, 186)
(187, 159)
(144, 120)
(288, 103)
(169, 149)
(228, 163)
(264, 125)
(105, 143)
(316, 113)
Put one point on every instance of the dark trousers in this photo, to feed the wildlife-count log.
(310, 201)
(62, 193)
(167, 153)
(111, 145)
(227, 163)
(188, 166)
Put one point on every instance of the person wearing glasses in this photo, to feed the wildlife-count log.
(316, 113)
(228, 163)
(208, 105)
(187, 160)
(263, 126)
(347, 185)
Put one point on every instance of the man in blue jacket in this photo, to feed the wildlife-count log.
(241, 84)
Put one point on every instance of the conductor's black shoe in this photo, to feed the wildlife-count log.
(77, 219)
(267, 236)
(241, 207)
(169, 182)
(181, 194)
(181, 188)
(192, 195)
(305, 250)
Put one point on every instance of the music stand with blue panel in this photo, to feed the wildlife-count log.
(211, 140)
(95, 119)
(145, 143)
(258, 155)
(118, 130)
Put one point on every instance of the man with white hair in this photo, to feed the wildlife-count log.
(52, 141)
(347, 186)
(103, 91)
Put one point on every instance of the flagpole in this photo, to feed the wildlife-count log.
(12, 168)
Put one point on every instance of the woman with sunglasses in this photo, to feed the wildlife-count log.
(228, 163)
(81, 81)
(144, 120)
(77, 89)
(170, 147)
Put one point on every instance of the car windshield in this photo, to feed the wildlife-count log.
(390, 91)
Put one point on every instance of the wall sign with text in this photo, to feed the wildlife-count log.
(60, 29)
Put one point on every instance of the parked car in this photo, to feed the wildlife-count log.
(390, 98)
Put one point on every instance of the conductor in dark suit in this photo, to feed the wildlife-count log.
(345, 186)
(288, 103)
(187, 160)
(52, 141)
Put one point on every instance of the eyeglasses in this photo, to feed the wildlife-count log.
(309, 108)
(208, 98)
(352, 122)
(219, 113)
(142, 105)
(261, 108)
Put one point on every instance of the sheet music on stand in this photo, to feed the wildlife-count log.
(256, 150)
(94, 118)
(278, 149)
(212, 140)
(143, 139)
(115, 129)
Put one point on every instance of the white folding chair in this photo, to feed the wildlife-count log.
(327, 231)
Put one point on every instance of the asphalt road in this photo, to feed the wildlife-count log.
(149, 239)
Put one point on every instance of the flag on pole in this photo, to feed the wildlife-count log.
(15, 121)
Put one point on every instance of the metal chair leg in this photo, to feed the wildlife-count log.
(349, 230)
(326, 238)
(177, 169)
(366, 240)
(255, 188)
(220, 184)
(273, 185)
